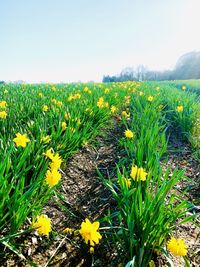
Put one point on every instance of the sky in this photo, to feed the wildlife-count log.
(82, 40)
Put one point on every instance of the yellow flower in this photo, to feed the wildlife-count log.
(91, 250)
(125, 114)
(49, 154)
(150, 98)
(89, 232)
(3, 104)
(5, 91)
(68, 230)
(141, 93)
(141, 174)
(77, 96)
(45, 108)
(183, 87)
(53, 177)
(67, 115)
(54, 101)
(179, 109)
(177, 247)
(107, 90)
(40, 94)
(134, 172)
(3, 114)
(86, 89)
(64, 125)
(138, 173)
(129, 134)
(113, 109)
(100, 103)
(56, 161)
(158, 88)
(69, 98)
(43, 225)
(21, 140)
(127, 182)
(46, 139)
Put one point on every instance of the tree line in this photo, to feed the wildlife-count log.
(187, 67)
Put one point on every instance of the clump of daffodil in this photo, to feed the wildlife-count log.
(3, 114)
(21, 140)
(179, 109)
(177, 247)
(138, 174)
(45, 108)
(90, 234)
(150, 98)
(42, 224)
(53, 175)
(3, 104)
(64, 126)
(129, 134)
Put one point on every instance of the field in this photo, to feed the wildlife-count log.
(100, 174)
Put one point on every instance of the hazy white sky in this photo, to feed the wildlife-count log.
(65, 40)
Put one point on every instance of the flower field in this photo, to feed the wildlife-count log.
(100, 174)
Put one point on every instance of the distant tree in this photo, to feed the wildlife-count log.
(187, 67)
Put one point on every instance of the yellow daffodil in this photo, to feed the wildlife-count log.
(3, 104)
(56, 161)
(138, 173)
(42, 225)
(125, 114)
(177, 247)
(179, 109)
(129, 134)
(150, 98)
(89, 232)
(45, 108)
(67, 115)
(49, 154)
(3, 114)
(46, 139)
(21, 140)
(53, 177)
(64, 126)
(113, 109)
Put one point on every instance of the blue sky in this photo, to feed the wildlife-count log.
(72, 40)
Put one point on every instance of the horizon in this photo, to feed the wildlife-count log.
(60, 41)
